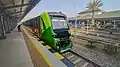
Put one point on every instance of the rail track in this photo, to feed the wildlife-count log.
(114, 33)
(115, 38)
(104, 36)
(95, 40)
(78, 60)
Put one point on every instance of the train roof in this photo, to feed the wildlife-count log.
(56, 13)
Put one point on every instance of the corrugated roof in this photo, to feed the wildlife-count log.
(17, 8)
(89, 10)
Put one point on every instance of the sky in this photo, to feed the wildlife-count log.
(68, 7)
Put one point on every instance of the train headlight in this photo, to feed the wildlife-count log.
(55, 36)
(57, 46)
(57, 39)
(69, 31)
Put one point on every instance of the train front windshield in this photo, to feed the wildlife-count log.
(59, 22)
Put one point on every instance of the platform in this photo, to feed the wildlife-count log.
(13, 51)
(21, 49)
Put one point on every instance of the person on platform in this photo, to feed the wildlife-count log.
(19, 28)
(110, 32)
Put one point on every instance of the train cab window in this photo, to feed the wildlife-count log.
(59, 22)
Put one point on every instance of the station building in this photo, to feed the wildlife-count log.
(101, 18)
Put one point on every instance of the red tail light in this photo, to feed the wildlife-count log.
(35, 30)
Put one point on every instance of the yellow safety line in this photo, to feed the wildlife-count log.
(27, 28)
(43, 55)
(32, 33)
(41, 42)
(48, 47)
(58, 55)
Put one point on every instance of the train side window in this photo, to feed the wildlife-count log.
(38, 22)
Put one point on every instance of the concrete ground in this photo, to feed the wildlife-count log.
(13, 51)
(37, 58)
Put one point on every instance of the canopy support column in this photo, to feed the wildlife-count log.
(2, 36)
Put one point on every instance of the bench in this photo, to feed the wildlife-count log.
(92, 41)
(108, 47)
(111, 48)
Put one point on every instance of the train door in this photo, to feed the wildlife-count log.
(38, 25)
(35, 26)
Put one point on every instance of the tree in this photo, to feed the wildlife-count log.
(93, 6)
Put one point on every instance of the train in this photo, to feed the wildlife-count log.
(53, 29)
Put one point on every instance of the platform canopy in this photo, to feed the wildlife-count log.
(17, 9)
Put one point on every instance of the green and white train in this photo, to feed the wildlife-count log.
(53, 29)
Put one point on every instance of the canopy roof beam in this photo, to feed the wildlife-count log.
(16, 6)
(22, 2)
(17, 12)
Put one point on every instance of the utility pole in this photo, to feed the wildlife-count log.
(76, 20)
(114, 24)
(2, 36)
(87, 26)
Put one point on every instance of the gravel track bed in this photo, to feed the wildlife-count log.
(99, 58)
(77, 60)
